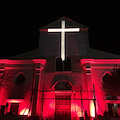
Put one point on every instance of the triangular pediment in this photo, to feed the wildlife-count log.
(69, 23)
(49, 44)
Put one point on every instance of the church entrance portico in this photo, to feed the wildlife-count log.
(63, 91)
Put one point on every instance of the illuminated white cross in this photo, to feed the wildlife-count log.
(63, 30)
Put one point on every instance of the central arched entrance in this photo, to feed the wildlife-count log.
(63, 90)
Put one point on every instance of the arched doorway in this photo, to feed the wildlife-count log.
(63, 90)
(63, 85)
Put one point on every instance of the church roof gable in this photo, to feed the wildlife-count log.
(69, 23)
(90, 53)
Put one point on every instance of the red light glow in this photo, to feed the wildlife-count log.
(43, 30)
(14, 100)
(42, 61)
(25, 112)
(92, 109)
(101, 61)
(76, 110)
(49, 108)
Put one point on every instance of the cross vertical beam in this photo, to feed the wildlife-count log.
(63, 41)
(63, 30)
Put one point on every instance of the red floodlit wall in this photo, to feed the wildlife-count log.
(11, 92)
(49, 105)
(92, 73)
(48, 82)
(76, 108)
(97, 68)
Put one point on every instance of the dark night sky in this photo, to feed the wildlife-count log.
(20, 23)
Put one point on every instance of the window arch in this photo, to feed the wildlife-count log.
(19, 78)
(62, 85)
(107, 74)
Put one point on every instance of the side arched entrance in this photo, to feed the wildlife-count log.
(63, 90)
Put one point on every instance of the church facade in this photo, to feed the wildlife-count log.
(62, 79)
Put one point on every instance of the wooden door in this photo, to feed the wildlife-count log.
(14, 108)
(63, 107)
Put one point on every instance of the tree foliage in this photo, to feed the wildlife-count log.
(6, 77)
(111, 82)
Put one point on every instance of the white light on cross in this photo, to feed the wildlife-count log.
(63, 30)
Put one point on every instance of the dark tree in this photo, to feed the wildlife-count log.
(6, 77)
(111, 82)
